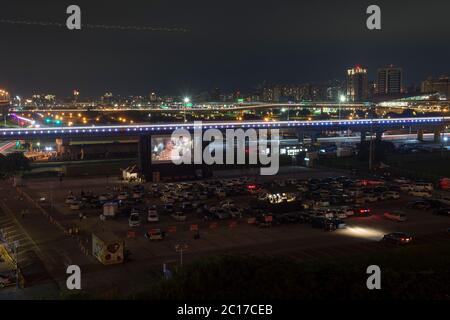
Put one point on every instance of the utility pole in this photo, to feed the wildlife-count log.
(16, 257)
(371, 141)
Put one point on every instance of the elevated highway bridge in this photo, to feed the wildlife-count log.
(363, 125)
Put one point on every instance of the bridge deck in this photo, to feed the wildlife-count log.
(139, 129)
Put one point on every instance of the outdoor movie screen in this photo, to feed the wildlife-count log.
(165, 149)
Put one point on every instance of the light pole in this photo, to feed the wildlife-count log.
(342, 99)
(286, 110)
(186, 100)
(180, 248)
(371, 141)
(16, 254)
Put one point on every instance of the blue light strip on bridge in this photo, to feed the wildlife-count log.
(215, 125)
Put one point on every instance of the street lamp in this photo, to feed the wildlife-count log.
(283, 110)
(186, 100)
(180, 247)
(342, 99)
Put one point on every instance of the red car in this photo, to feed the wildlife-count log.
(361, 212)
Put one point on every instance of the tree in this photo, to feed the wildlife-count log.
(13, 163)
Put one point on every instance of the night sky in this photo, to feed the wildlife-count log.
(231, 44)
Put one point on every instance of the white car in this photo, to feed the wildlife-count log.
(370, 197)
(71, 200)
(152, 215)
(105, 197)
(402, 180)
(354, 192)
(420, 194)
(179, 216)
(366, 198)
(227, 204)
(322, 203)
(134, 220)
(391, 195)
(396, 216)
(341, 214)
(423, 186)
(406, 187)
(75, 205)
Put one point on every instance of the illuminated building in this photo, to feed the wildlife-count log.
(441, 86)
(357, 84)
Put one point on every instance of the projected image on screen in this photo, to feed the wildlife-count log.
(168, 149)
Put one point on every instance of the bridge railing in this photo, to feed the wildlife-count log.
(155, 128)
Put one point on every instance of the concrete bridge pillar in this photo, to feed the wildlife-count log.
(363, 136)
(420, 134)
(379, 135)
(314, 137)
(144, 155)
(437, 136)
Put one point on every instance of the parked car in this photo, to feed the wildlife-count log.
(420, 194)
(179, 216)
(168, 207)
(402, 180)
(221, 193)
(122, 196)
(75, 205)
(137, 194)
(155, 235)
(399, 238)
(221, 214)
(361, 211)
(187, 206)
(206, 215)
(235, 212)
(227, 204)
(152, 216)
(391, 195)
(395, 216)
(423, 186)
(406, 187)
(341, 213)
(105, 197)
(134, 220)
(71, 200)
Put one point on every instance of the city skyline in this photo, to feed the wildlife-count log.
(373, 85)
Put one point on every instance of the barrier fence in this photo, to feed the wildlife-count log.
(196, 227)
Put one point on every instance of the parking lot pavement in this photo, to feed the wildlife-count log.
(45, 249)
(299, 241)
(31, 267)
